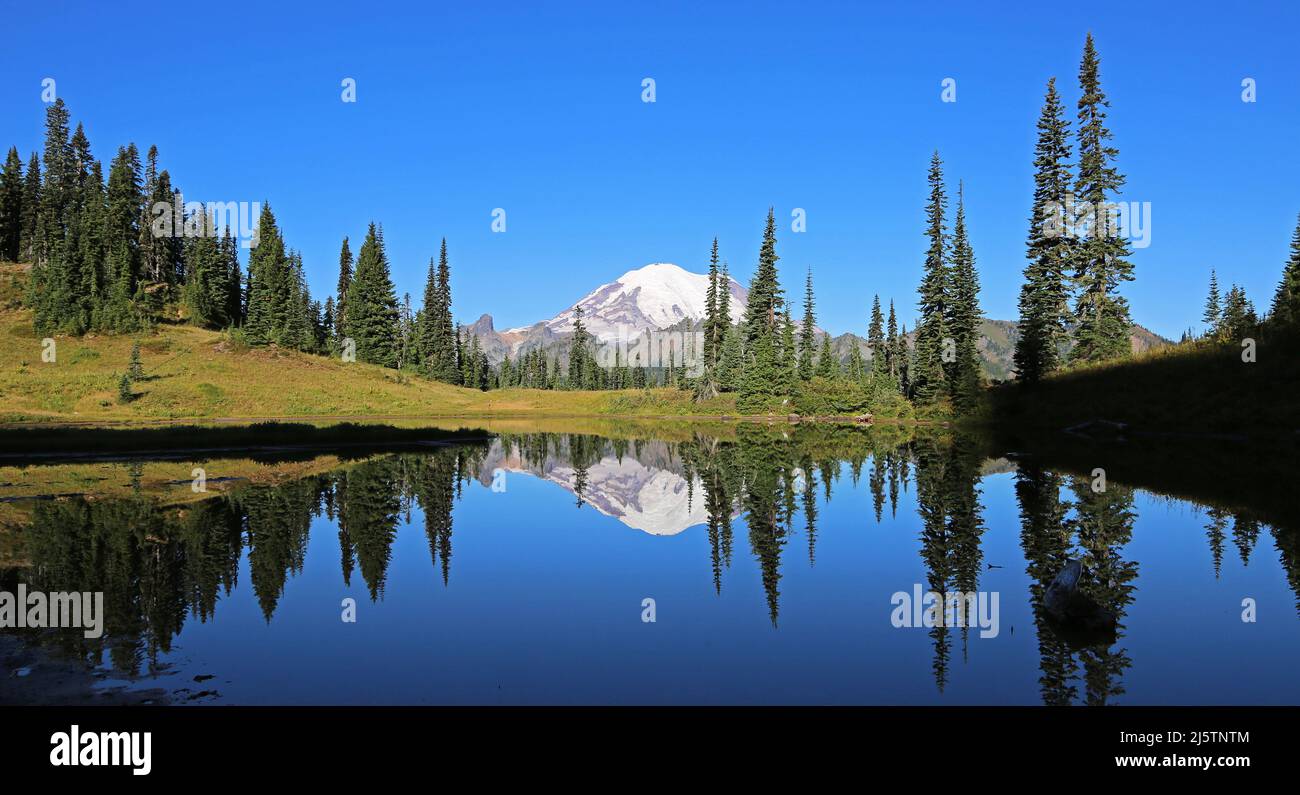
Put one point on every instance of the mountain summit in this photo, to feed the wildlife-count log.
(655, 296)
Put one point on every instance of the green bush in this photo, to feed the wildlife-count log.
(821, 397)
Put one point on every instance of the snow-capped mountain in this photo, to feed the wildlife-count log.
(653, 297)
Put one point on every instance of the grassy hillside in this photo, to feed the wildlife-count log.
(193, 373)
(1200, 388)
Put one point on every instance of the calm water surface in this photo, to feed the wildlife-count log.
(516, 572)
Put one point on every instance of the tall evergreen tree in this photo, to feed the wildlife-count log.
(1286, 301)
(963, 315)
(122, 242)
(11, 206)
(807, 337)
(31, 211)
(1044, 295)
(345, 282)
(892, 344)
(443, 365)
(761, 377)
(1100, 264)
(1213, 309)
(827, 365)
(269, 290)
(927, 375)
(372, 304)
(876, 339)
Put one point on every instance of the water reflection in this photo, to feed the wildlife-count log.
(162, 564)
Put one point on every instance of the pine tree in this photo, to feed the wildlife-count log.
(876, 340)
(1044, 296)
(1213, 310)
(11, 206)
(827, 365)
(578, 367)
(789, 353)
(234, 300)
(1100, 264)
(1286, 301)
(269, 290)
(135, 370)
(927, 374)
(892, 344)
(856, 370)
(731, 361)
(372, 318)
(761, 378)
(31, 209)
(124, 393)
(122, 242)
(426, 325)
(963, 315)
(807, 338)
(712, 327)
(345, 282)
(443, 364)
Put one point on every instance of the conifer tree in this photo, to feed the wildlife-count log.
(807, 338)
(730, 363)
(11, 206)
(963, 315)
(789, 353)
(122, 242)
(31, 210)
(426, 325)
(345, 282)
(1286, 301)
(857, 371)
(893, 347)
(1213, 310)
(372, 318)
(876, 339)
(269, 289)
(760, 380)
(827, 365)
(135, 370)
(444, 363)
(712, 327)
(927, 374)
(1044, 295)
(578, 352)
(1100, 264)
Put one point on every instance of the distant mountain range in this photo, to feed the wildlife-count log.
(663, 296)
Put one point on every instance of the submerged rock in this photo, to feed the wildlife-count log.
(1070, 607)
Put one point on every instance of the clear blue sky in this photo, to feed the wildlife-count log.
(536, 108)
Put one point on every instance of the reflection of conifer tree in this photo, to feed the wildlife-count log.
(1245, 532)
(1288, 547)
(211, 533)
(965, 524)
(1216, 530)
(810, 509)
(1103, 524)
(936, 546)
(369, 515)
(762, 500)
(877, 484)
(435, 489)
(278, 521)
(1045, 539)
(893, 462)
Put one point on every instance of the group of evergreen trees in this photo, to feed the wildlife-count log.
(1087, 261)
(946, 359)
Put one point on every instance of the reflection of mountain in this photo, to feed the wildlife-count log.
(645, 491)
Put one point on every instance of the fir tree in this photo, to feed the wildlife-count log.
(927, 375)
(31, 211)
(135, 370)
(1286, 301)
(827, 365)
(345, 282)
(789, 353)
(1100, 264)
(761, 378)
(578, 367)
(876, 340)
(730, 363)
(1213, 310)
(124, 393)
(269, 289)
(372, 318)
(893, 347)
(443, 364)
(807, 338)
(1044, 296)
(963, 315)
(11, 206)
